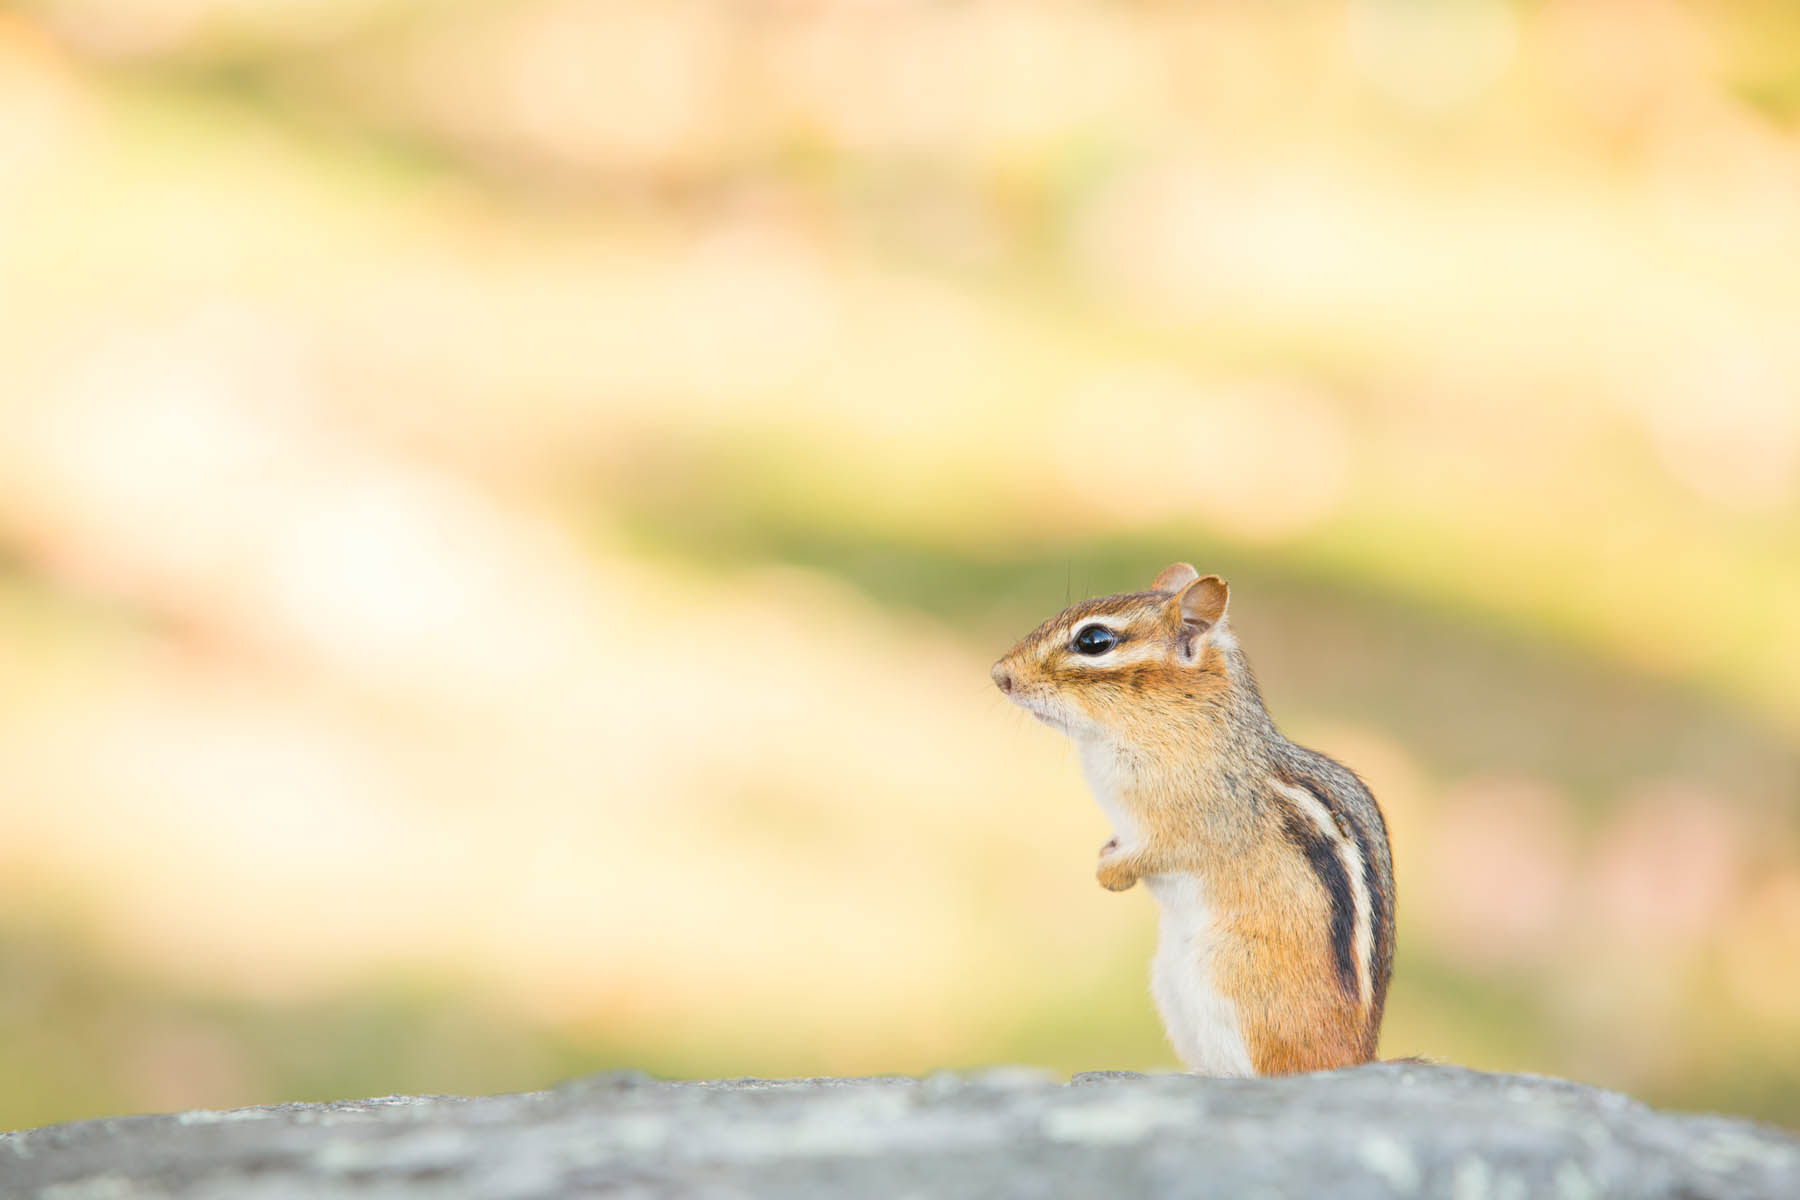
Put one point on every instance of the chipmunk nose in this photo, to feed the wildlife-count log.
(1003, 678)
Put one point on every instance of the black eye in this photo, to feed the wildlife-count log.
(1094, 639)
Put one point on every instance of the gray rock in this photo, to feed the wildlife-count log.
(1384, 1130)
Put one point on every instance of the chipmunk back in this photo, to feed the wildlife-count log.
(1269, 861)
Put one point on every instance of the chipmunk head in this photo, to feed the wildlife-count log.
(1121, 665)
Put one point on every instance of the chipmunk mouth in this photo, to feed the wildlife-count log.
(1045, 710)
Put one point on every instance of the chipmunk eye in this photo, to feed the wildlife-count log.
(1094, 639)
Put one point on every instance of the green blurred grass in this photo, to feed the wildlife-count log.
(1464, 688)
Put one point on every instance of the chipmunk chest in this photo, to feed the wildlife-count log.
(1110, 777)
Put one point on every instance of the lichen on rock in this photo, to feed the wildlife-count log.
(1373, 1131)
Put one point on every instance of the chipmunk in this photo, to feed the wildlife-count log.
(1269, 861)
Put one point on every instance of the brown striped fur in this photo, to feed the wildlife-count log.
(1212, 789)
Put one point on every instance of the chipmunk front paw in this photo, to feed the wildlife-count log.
(1116, 871)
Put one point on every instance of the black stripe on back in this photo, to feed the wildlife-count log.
(1322, 856)
(1381, 916)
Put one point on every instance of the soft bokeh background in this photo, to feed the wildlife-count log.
(506, 509)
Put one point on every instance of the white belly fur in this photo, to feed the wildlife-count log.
(1202, 1023)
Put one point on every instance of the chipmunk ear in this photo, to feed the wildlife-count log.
(1174, 577)
(1203, 603)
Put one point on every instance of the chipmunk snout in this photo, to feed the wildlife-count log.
(1003, 678)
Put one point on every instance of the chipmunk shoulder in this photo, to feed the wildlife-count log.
(1269, 862)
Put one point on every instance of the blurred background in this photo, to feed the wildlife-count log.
(506, 510)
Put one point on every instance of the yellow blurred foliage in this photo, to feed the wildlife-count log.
(510, 505)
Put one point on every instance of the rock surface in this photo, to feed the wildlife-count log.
(1387, 1130)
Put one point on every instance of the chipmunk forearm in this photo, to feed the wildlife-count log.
(1119, 869)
